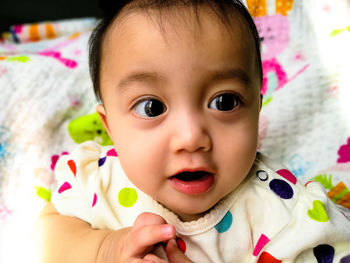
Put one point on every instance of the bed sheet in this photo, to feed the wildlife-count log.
(47, 105)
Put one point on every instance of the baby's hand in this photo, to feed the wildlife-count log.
(148, 230)
(173, 253)
(133, 244)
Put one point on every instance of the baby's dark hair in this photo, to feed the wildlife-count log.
(225, 10)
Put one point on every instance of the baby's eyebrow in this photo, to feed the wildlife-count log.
(214, 75)
(149, 77)
(231, 73)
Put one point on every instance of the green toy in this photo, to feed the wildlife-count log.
(87, 128)
(325, 180)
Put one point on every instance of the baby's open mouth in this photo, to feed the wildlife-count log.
(193, 183)
(192, 176)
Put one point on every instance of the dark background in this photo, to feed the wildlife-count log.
(29, 11)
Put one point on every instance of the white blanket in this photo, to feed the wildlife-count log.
(45, 85)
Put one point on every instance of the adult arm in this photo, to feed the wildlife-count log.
(68, 239)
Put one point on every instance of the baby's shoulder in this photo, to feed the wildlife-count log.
(273, 175)
(273, 187)
(280, 185)
(88, 162)
(88, 154)
(90, 150)
(281, 210)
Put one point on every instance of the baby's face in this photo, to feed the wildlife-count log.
(182, 107)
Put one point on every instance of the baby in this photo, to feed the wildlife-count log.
(179, 83)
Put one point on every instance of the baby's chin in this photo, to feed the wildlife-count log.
(192, 217)
(191, 213)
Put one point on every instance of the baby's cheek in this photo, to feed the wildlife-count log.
(143, 173)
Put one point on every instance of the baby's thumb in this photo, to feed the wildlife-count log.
(174, 254)
(146, 219)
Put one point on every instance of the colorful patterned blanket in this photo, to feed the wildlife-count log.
(47, 105)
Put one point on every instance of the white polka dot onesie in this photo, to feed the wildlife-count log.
(271, 217)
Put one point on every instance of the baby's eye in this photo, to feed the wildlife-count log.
(150, 108)
(225, 102)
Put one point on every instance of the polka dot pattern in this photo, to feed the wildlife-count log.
(127, 197)
(112, 153)
(281, 188)
(286, 174)
(102, 161)
(225, 223)
(268, 258)
(263, 240)
(262, 175)
(318, 212)
(324, 253)
(94, 201)
(345, 259)
(64, 187)
(181, 244)
(281, 185)
(72, 166)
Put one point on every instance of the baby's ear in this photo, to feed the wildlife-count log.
(100, 109)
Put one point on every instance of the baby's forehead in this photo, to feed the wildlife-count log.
(137, 33)
(231, 17)
(185, 22)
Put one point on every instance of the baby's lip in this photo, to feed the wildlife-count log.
(193, 170)
(193, 181)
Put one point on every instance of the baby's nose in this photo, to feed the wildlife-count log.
(190, 134)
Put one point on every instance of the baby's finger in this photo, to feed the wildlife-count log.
(174, 254)
(143, 238)
(154, 258)
(139, 260)
(145, 219)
